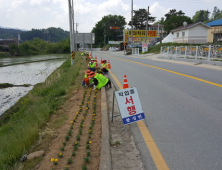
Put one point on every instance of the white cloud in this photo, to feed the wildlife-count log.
(16, 3)
(158, 11)
(90, 14)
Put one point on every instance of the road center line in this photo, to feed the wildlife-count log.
(195, 78)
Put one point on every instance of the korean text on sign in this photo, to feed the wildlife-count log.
(129, 105)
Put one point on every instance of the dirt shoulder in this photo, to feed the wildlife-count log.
(124, 153)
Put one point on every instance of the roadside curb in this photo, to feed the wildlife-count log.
(105, 154)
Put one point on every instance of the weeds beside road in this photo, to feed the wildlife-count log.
(21, 124)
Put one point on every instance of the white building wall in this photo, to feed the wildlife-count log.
(181, 39)
(198, 34)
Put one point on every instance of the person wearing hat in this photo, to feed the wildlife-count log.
(85, 81)
(92, 65)
(105, 67)
(99, 80)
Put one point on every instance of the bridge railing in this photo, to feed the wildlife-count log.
(203, 52)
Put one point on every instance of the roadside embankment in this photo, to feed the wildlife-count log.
(20, 125)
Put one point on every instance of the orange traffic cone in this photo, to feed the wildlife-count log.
(109, 66)
(96, 58)
(101, 60)
(125, 83)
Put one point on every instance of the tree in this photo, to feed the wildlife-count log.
(139, 19)
(201, 16)
(161, 21)
(13, 49)
(173, 12)
(176, 21)
(216, 14)
(103, 28)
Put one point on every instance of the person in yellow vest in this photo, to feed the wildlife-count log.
(99, 80)
(105, 67)
(92, 65)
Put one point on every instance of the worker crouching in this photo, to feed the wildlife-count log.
(85, 81)
(99, 80)
(105, 67)
(92, 65)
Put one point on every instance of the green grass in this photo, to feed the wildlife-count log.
(21, 124)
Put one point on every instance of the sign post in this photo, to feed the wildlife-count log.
(144, 47)
(124, 44)
(129, 105)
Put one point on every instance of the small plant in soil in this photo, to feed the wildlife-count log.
(55, 161)
(88, 153)
(67, 138)
(78, 137)
(86, 160)
(87, 146)
(117, 143)
(90, 132)
(60, 155)
(88, 142)
(64, 143)
(84, 167)
(76, 144)
(80, 131)
(69, 161)
(75, 148)
(70, 133)
(89, 136)
(72, 126)
(73, 154)
(62, 148)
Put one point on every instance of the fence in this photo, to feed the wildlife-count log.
(203, 52)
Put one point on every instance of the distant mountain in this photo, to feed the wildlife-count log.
(13, 28)
(6, 33)
(51, 34)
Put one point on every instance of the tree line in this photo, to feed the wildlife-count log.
(51, 34)
(174, 19)
(39, 46)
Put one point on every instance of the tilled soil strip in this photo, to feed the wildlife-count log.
(80, 153)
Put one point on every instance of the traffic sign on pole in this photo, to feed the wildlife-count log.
(129, 105)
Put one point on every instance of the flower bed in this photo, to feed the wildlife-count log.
(78, 146)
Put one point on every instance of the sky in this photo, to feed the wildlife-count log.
(39, 14)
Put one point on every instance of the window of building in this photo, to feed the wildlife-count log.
(183, 34)
(178, 34)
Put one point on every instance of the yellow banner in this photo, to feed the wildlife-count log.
(141, 33)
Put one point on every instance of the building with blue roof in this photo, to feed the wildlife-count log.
(215, 33)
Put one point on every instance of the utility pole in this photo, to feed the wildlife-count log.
(132, 26)
(70, 25)
(147, 19)
(76, 32)
(72, 29)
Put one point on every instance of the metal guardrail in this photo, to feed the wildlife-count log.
(203, 52)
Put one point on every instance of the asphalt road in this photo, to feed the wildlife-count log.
(184, 114)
